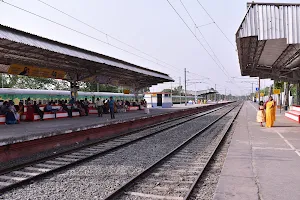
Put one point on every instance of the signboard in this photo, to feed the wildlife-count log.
(34, 71)
(257, 89)
(262, 94)
(276, 91)
(125, 91)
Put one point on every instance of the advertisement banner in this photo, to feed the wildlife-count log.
(24, 70)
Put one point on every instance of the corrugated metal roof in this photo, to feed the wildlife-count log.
(271, 21)
(18, 36)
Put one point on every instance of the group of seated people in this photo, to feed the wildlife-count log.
(13, 112)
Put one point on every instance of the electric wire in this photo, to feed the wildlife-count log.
(107, 35)
(199, 41)
(203, 37)
(217, 25)
(81, 33)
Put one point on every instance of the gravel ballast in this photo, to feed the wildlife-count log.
(97, 178)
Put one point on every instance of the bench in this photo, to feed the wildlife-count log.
(51, 115)
(134, 108)
(2, 119)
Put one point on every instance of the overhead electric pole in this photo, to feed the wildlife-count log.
(185, 86)
(180, 89)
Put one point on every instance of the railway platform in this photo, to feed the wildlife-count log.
(262, 163)
(28, 138)
(33, 130)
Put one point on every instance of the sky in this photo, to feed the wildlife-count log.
(154, 28)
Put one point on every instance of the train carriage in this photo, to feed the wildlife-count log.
(47, 95)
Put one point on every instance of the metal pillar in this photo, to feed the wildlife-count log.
(74, 88)
(216, 93)
(2, 80)
(171, 93)
(287, 95)
(195, 93)
(180, 88)
(185, 86)
(298, 93)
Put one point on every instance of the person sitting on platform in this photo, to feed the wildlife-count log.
(80, 108)
(48, 108)
(65, 108)
(38, 111)
(11, 116)
(4, 108)
(21, 109)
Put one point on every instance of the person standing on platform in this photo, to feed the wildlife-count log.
(261, 115)
(270, 112)
(99, 105)
(111, 104)
(86, 106)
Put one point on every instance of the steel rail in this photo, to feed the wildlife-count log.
(148, 170)
(6, 170)
(224, 132)
(90, 157)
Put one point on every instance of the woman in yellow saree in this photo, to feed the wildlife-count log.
(270, 112)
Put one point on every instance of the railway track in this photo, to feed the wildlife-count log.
(25, 173)
(175, 176)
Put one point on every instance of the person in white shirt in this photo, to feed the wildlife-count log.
(99, 105)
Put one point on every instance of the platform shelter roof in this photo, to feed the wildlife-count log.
(268, 41)
(202, 92)
(27, 54)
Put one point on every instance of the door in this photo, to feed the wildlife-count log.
(159, 99)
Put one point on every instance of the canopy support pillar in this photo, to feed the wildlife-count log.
(74, 90)
(298, 93)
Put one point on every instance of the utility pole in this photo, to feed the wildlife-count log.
(171, 93)
(180, 88)
(216, 93)
(195, 93)
(185, 86)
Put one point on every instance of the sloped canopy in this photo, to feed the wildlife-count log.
(268, 41)
(27, 54)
